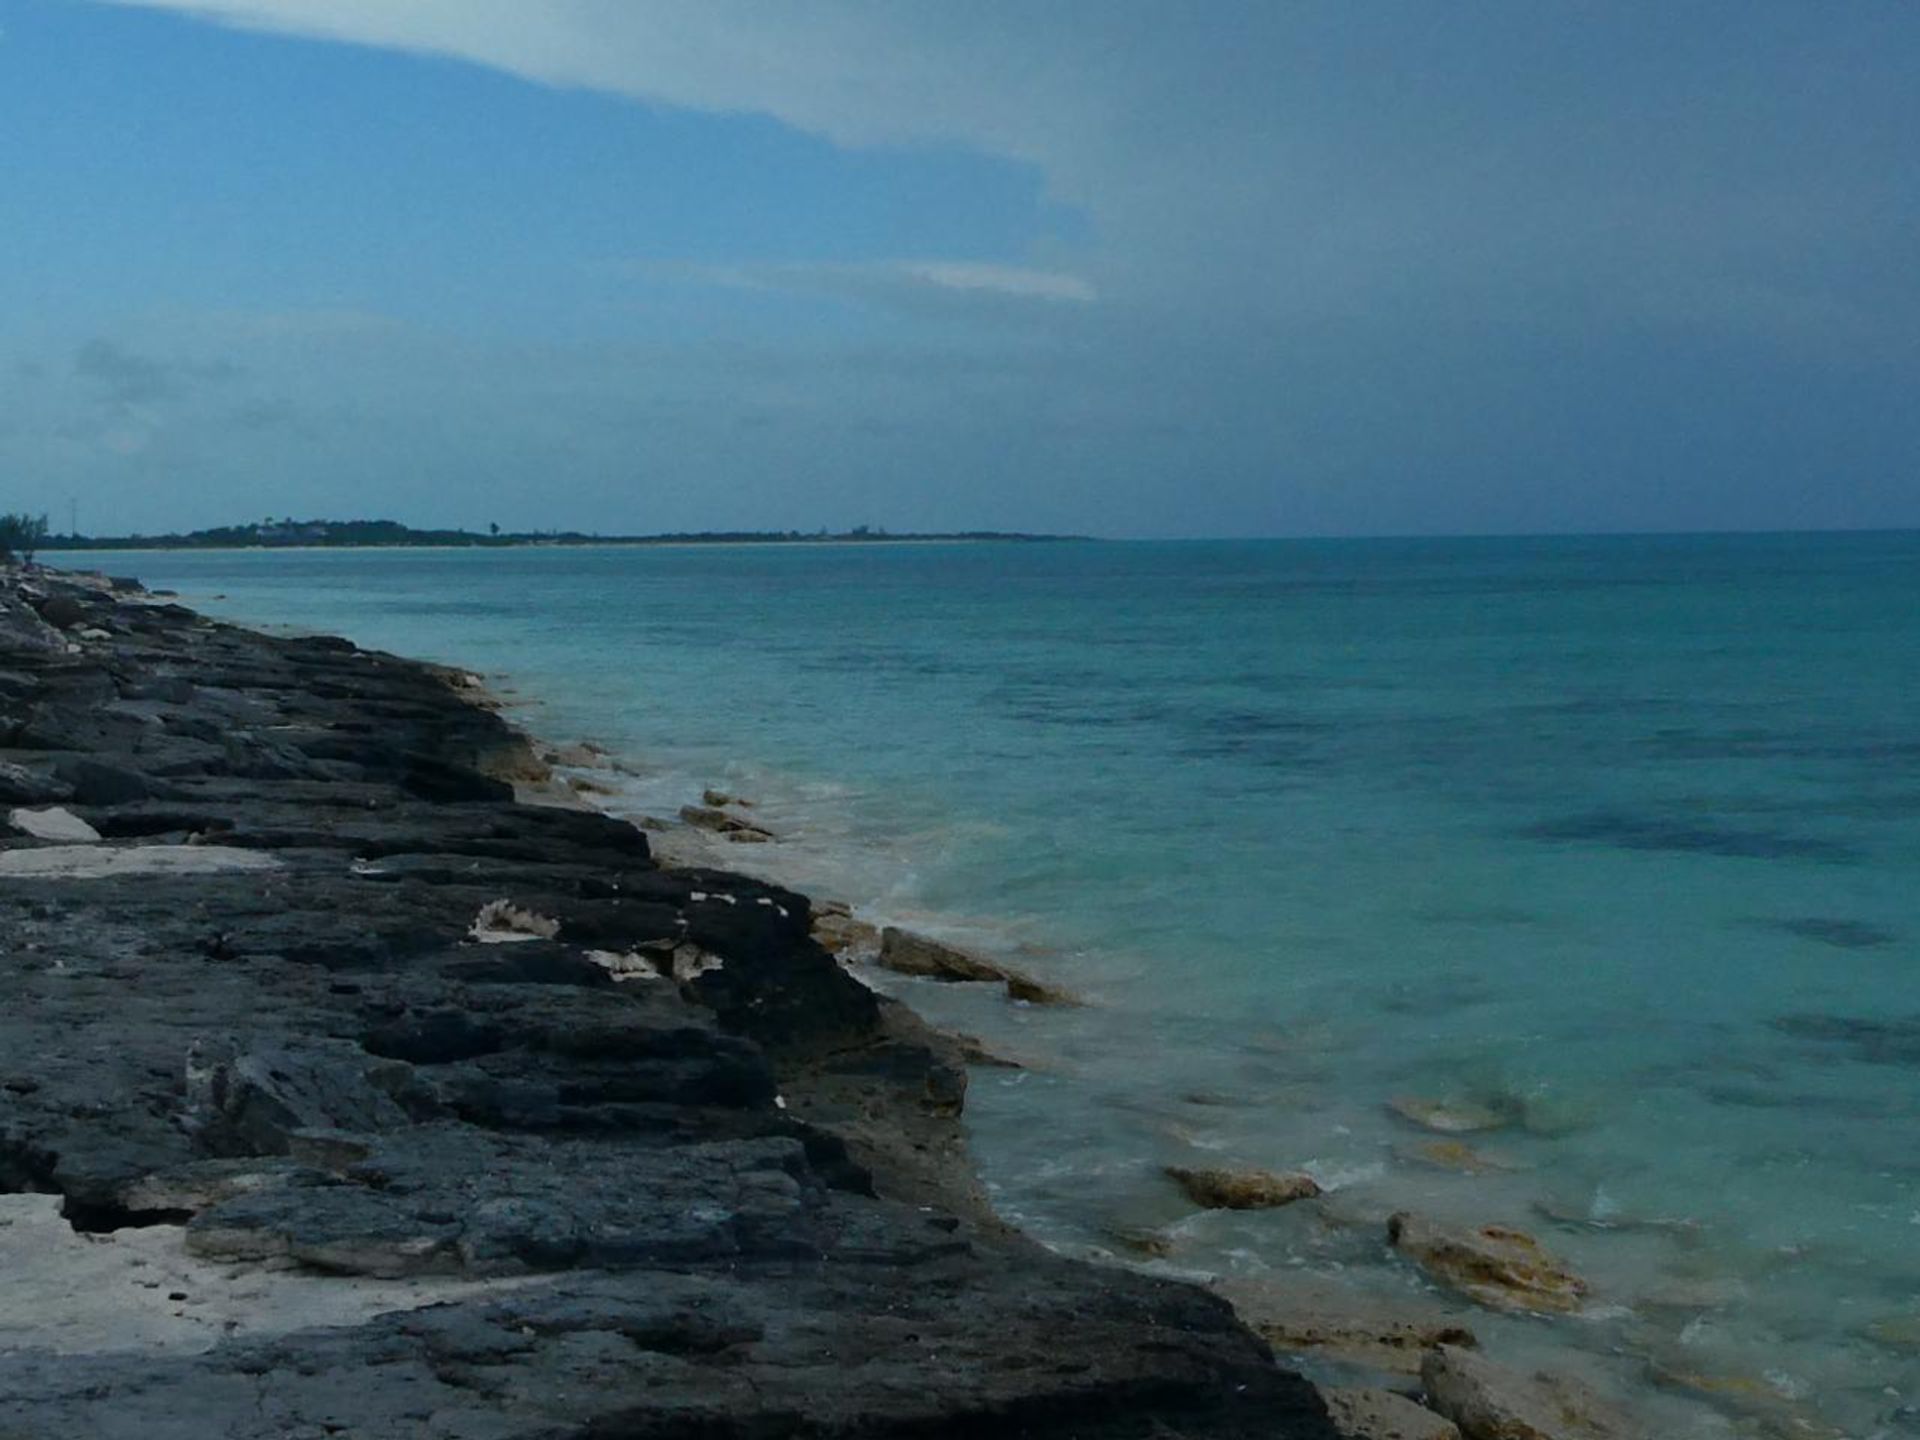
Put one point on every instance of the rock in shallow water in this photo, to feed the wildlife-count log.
(1501, 1268)
(1306, 1314)
(906, 953)
(1361, 1414)
(1490, 1402)
(731, 827)
(1448, 1117)
(1243, 1189)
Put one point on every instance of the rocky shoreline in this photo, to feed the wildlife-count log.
(342, 1093)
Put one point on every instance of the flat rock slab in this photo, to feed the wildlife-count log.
(54, 824)
(103, 863)
(139, 1290)
(1362, 1414)
(1489, 1402)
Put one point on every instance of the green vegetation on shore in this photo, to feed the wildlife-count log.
(272, 533)
(21, 535)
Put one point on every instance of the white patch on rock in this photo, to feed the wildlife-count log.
(501, 922)
(83, 1294)
(690, 962)
(624, 965)
(53, 824)
(99, 863)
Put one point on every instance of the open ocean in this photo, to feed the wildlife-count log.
(1618, 838)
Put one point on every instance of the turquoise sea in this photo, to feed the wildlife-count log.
(1618, 839)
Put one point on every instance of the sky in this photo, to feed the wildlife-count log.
(1233, 268)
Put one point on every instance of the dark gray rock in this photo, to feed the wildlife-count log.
(24, 785)
(736, 1203)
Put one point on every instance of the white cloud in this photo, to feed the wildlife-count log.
(1246, 161)
(910, 283)
(1052, 285)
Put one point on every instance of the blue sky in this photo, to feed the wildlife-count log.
(1124, 267)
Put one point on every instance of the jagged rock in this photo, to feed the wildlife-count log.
(23, 631)
(189, 1189)
(974, 1051)
(502, 922)
(62, 611)
(730, 827)
(1502, 1268)
(845, 936)
(1362, 1414)
(1243, 1189)
(1489, 1402)
(23, 785)
(906, 953)
(1138, 1240)
(62, 826)
(453, 1199)
(99, 782)
(1028, 991)
(252, 1102)
(717, 798)
(910, 954)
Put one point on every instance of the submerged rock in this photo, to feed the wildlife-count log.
(1459, 1157)
(1502, 1268)
(1243, 1189)
(1895, 1332)
(1143, 1241)
(1448, 1117)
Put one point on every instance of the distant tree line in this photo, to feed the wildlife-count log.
(286, 533)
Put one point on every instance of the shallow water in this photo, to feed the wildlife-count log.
(1619, 837)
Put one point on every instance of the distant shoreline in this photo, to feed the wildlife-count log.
(444, 540)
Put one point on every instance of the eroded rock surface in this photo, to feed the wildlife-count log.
(1242, 1189)
(1502, 1268)
(658, 1167)
(1489, 1402)
(906, 953)
(1368, 1414)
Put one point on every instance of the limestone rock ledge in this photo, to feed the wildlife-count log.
(322, 1163)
